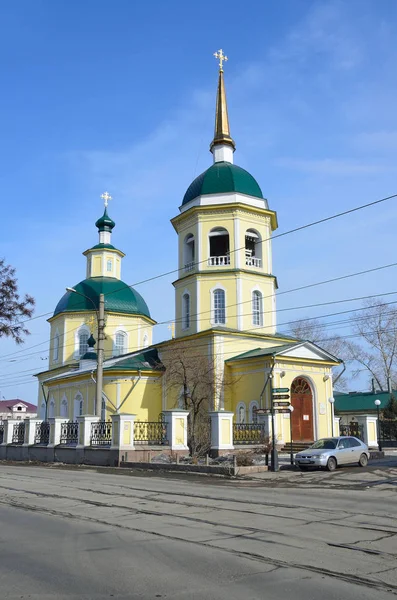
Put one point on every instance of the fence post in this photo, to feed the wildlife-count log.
(122, 432)
(176, 422)
(30, 431)
(85, 422)
(370, 428)
(55, 430)
(336, 427)
(8, 430)
(221, 430)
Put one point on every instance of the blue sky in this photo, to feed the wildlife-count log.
(120, 95)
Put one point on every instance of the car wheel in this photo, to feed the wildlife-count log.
(363, 460)
(331, 464)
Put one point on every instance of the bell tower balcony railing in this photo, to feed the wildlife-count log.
(189, 266)
(253, 261)
(219, 261)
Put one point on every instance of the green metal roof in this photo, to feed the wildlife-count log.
(119, 297)
(103, 246)
(361, 401)
(144, 361)
(263, 352)
(220, 178)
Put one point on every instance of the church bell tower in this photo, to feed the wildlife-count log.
(224, 232)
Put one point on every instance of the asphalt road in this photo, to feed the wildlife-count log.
(83, 534)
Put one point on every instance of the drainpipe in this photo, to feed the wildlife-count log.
(340, 374)
(46, 402)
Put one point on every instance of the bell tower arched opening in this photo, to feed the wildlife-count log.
(302, 415)
(219, 247)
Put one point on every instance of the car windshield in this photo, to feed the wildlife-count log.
(327, 444)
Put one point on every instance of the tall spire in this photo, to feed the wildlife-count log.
(222, 146)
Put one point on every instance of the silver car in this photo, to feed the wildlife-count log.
(331, 452)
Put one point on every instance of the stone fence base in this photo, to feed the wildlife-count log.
(100, 456)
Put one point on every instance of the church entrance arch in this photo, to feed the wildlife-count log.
(302, 415)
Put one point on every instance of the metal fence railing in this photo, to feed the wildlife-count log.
(69, 433)
(249, 433)
(353, 429)
(150, 432)
(18, 433)
(42, 433)
(101, 433)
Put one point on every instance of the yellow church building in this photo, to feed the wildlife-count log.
(225, 313)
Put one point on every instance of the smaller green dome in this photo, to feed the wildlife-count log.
(90, 354)
(119, 297)
(220, 178)
(105, 223)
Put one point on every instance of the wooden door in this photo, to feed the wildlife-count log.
(302, 416)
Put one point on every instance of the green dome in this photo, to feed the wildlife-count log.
(223, 177)
(105, 223)
(119, 297)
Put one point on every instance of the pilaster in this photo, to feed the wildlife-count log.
(176, 422)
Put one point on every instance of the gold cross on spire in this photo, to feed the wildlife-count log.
(171, 327)
(222, 58)
(106, 197)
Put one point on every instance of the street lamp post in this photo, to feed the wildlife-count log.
(291, 408)
(100, 315)
(331, 401)
(377, 404)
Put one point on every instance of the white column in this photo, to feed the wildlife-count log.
(30, 431)
(370, 427)
(85, 422)
(122, 432)
(55, 430)
(221, 430)
(336, 427)
(176, 422)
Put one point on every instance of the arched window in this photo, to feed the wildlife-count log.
(51, 409)
(120, 343)
(42, 410)
(253, 417)
(109, 265)
(186, 311)
(78, 406)
(83, 343)
(219, 247)
(253, 248)
(241, 412)
(55, 353)
(257, 308)
(189, 252)
(145, 340)
(219, 307)
(64, 407)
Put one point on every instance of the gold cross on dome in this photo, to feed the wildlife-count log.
(91, 322)
(106, 197)
(222, 58)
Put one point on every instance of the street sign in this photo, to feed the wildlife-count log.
(281, 397)
(282, 410)
(280, 390)
(280, 403)
(263, 411)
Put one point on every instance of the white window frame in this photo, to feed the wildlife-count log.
(214, 309)
(82, 329)
(239, 408)
(78, 406)
(115, 347)
(251, 415)
(257, 313)
(109, 261)
(186, 310)
(145, 340)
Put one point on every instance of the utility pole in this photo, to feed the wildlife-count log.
(101, 339)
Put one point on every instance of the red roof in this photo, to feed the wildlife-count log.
(9, 404)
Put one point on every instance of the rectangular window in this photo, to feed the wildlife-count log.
(257, 312)
(186, 311)
(219, 307)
